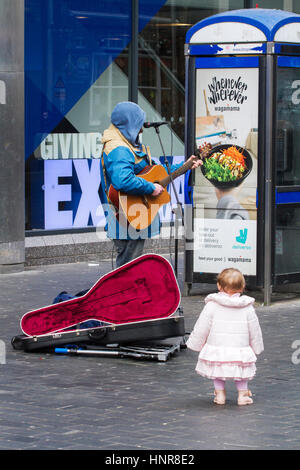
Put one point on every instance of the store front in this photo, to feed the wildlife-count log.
(81, 58)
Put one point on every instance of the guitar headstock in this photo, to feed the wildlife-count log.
(203, 150)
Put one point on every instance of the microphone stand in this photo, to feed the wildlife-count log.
(179, 210)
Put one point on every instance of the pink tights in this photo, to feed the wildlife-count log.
(240, 384)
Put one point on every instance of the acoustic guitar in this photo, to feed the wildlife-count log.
(140, 211)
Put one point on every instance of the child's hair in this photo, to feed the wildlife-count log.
(231, 279)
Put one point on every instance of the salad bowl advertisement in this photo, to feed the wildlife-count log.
(225, 188)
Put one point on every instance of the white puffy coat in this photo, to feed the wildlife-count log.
(228, 336)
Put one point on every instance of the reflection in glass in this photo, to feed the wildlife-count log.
(76, 70)
(287, 254)
(288, 127)
(161, 55)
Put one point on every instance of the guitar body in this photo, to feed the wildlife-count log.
(140, 211)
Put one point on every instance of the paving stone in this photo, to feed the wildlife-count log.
(63, 402)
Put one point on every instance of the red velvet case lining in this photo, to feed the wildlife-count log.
(144, 289)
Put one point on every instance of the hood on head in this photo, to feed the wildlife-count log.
(227, 300)
(129, 118)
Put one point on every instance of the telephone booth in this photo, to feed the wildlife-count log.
(243, 108)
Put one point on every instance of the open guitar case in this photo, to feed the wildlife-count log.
(131, 311)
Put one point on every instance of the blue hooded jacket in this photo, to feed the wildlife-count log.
(123, 159)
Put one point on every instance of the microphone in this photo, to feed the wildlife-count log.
(154, 124)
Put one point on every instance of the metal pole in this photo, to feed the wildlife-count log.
(268, 175)
(178, 212)
(190, 85)
(133, 51)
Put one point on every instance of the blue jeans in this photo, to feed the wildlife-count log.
(127, 250)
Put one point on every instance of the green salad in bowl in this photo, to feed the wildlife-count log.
(226, 165)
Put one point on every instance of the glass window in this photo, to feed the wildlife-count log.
(76, 71)
(273, 4)
(296, 6)
(162, 63)
(287, 254)
(288, 126)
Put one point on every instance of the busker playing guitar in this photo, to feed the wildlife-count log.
(123, 159)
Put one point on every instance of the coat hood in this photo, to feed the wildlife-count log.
(112, 134)
(129, 118)
(227, 300)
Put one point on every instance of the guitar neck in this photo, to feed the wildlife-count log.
(180, 171)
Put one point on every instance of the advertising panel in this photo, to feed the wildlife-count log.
(226, 186)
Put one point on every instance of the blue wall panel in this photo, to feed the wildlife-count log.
(60, 38)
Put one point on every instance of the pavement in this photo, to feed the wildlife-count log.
(52, 402)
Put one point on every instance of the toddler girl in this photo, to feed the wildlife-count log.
(228, 336)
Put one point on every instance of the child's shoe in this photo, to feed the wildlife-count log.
(244, 398)
(220, 397)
